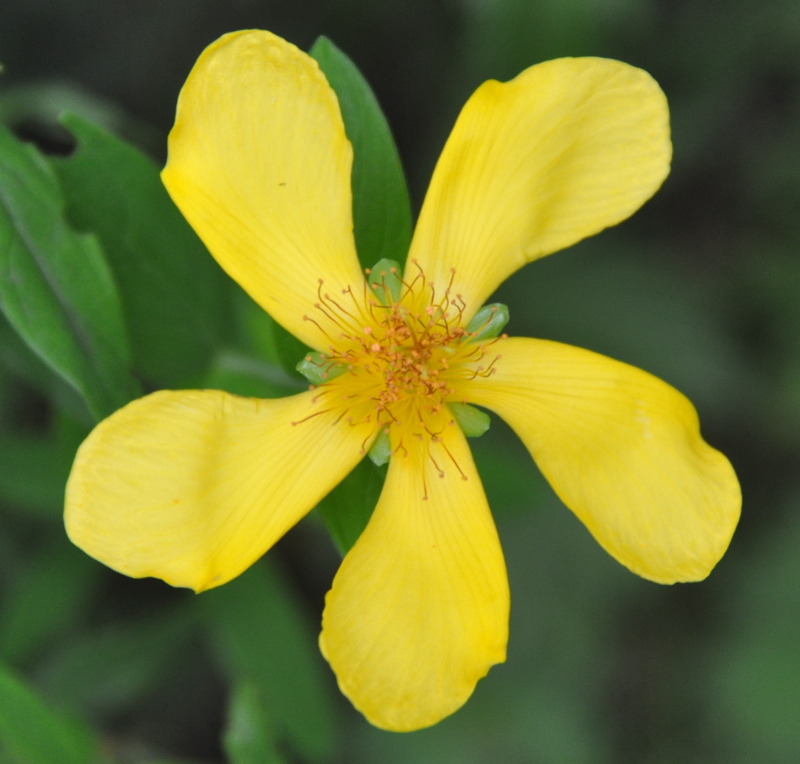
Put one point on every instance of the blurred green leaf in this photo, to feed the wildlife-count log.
(23, 364)
(753, 677)
(381, 207)
(110, 668)
(262, 337)
(34, 467)
(242, 374)
(47, 597)
(770, 290)
(348, 507)
(33, 473)
(262, 637)
(505, 36)
(173, 293)
(43, 101)
(512, 481)
(32, 733)
(248, 737)
(55, 287)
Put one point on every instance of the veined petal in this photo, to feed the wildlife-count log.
(533, 165)
(418, 612)
(259, 165)
(194, 486)
(623, 451)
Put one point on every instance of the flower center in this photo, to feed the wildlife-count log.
(396, 356)
(408, 352)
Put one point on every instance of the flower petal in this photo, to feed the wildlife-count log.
(533, 165)
(259, 165)
(623, 451)
(194, 486)
(419, 609)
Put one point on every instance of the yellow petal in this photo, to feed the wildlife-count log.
(418, 612)
(533, 165)
(259, 165)
(193, 487)
(623, 451)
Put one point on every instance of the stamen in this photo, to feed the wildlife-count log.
(452, 278)
(341, 416)
(316, 323)
(409, 286)
(438, 468)
(420, 275)
(364, 444)
(346, 312)
(453, 459)
(489, 369)
(311, 416)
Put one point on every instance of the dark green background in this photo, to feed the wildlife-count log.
(701, 287)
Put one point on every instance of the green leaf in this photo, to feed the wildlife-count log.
(32, 733)
(488, 322)
(381, 449)
(385, 280)
(242, 374)
(48, 595)
(261, 336)
(21, 361)
(263, 638)
(381, 207)
(173, 292)
(249, 737)
(32, 473)
(318, 369)
(347, 509)
(42, 101)
(34, 466)
(55, 287)
(109, 669)
(473, 422)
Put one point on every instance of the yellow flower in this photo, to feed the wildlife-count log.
(194, 486)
